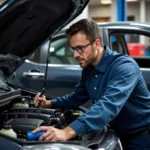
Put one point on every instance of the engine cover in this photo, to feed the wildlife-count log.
(23, 125)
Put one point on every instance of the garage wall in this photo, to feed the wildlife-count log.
(132, 10)
(147, 12)
(99, 11)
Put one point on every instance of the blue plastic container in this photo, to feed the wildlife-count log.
(34, 136)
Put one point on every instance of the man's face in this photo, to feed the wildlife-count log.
(88, 54)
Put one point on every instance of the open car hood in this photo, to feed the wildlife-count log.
(26, 24)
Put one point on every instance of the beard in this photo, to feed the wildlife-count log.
(84, 62)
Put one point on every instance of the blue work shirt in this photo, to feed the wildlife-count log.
(118, 92)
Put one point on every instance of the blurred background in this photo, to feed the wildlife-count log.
(112, 10)
(122, 10)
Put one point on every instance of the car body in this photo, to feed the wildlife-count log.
(24, 26)
(63, 70)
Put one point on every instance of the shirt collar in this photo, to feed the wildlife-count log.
(102, 64)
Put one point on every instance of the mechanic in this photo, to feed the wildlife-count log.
(114, 84)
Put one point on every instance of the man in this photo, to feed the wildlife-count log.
(114, 84)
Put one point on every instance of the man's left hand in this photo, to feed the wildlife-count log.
(53, 134)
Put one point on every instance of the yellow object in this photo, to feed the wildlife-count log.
(9, 132)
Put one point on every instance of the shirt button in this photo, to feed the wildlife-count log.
(95, 88)
(96, 76)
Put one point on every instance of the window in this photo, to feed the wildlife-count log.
(59, 53)
(136, 45)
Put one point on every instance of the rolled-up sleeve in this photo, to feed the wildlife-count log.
(123, 80)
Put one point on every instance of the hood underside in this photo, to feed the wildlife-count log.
(26, 24)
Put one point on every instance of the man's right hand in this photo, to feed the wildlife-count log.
(41, 101)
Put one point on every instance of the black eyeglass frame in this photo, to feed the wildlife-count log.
(80, 49)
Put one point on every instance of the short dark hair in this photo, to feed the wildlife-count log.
(88, 27)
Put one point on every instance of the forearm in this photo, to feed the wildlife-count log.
(66, 101)
(48, 104)
(69, 101)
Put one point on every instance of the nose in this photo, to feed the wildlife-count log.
(75, 54)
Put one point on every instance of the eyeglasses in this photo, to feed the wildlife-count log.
(80, 49)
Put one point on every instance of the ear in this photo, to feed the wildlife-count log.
(98, 43)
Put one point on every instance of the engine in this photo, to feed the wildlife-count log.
(22, 116)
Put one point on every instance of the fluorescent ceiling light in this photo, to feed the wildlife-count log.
(110, 1)
(105, 1)
(131, 0)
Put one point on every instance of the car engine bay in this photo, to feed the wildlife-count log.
(22, 116)
(18, 114)
(18, 111)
